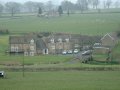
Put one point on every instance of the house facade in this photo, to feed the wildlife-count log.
(53, 43)
(22, 44)
(109, 40)
(27, 45)
(58, 43)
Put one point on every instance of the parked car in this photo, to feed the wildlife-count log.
(2, 74)
(76, 51)
(64, 52)
(70, 52)
(88, 52)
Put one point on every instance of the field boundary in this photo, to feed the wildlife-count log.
(63, 69)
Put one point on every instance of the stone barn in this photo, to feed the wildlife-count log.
(109, 40)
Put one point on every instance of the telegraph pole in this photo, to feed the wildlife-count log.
(23, 74)
(23, 65)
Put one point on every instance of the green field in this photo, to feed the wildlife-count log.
(72, 80)
(91, 24)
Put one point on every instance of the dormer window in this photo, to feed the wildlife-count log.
(67, 39)
(52, 40)
(60, 40)
(32, 41)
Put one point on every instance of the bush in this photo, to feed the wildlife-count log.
(4, 31)
(118, 33)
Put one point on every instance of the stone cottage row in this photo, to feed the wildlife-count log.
(55, 43)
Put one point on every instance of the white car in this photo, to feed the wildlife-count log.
(76, 51)
(64, 52)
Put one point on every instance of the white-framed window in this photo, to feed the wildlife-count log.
(16, 49)
(32, 48)
(32, 53)
(12, 49)
(26, 54)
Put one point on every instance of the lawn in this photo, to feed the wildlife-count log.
(90, 24)
(70, 80)
(43, 59)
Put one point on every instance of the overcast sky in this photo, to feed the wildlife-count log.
(22, 1)
(54, 1)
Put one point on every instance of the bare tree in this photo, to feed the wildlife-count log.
(29, 6)
(49, 6)
(1, 8)
(96, 3)
(64, 5)
(117, 3)
(68, 6)
(13, 7)
(82, 5)
(104, 4)
(38, 5)
(108, 3)
(33, 6)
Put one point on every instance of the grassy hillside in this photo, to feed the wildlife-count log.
(70, 80)
(92, 24)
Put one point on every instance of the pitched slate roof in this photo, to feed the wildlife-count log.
(21, 39)
(58, 36)
(74, 38)
(113, 36)
(40, 44)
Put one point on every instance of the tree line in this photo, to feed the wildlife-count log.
(4, 31)
(65, 6)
